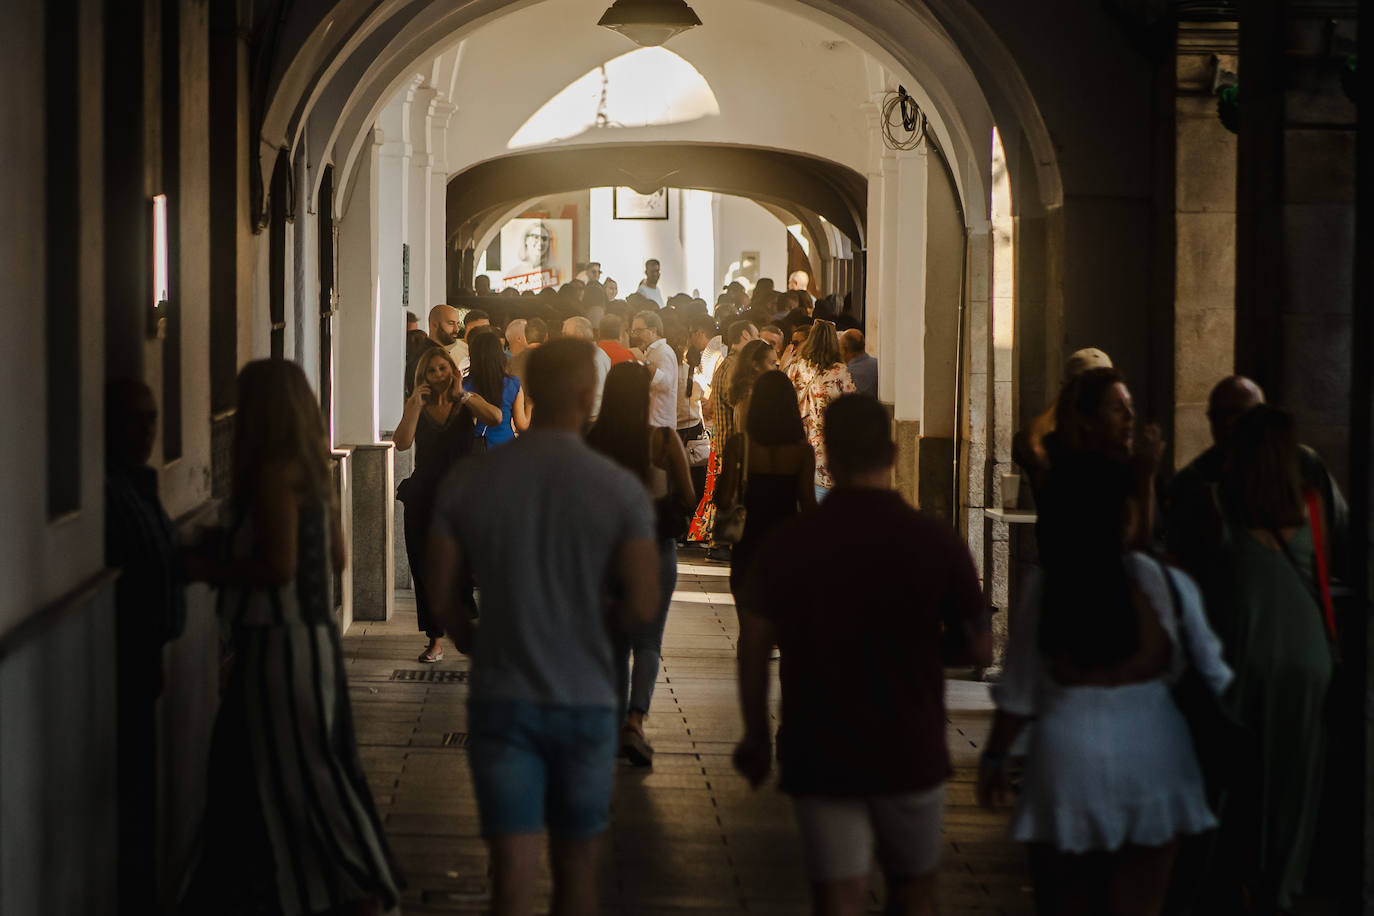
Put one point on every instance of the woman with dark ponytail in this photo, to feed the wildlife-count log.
(1112, 779)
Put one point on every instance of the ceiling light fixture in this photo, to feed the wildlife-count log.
(649, 23)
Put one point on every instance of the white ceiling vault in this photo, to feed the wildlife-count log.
(784, 74)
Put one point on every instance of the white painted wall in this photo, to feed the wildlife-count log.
(43, 559)
(622, 245)
(393, 201)
(699, 232)
(743, 225)
(357, 351)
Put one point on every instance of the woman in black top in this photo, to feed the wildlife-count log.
(769, 466)
(438, 420)
(655, 455)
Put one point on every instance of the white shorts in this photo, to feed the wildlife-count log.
(839, 833)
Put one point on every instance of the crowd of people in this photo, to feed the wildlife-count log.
(1128, 801)
(556, 476)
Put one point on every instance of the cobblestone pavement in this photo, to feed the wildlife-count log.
(689, 836)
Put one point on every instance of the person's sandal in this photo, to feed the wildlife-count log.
(430, 657)
(636, 747)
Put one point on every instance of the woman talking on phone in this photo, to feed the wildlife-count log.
(438, 420)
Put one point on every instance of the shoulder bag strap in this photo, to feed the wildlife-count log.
(1317, 520)
(744, 469)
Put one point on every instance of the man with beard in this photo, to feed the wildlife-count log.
(443, 332)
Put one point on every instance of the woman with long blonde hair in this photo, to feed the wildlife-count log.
(439, 420)
(819, 375)
(290, 826)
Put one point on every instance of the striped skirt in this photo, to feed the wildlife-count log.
(291, 827)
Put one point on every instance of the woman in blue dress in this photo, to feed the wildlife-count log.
(487, 376)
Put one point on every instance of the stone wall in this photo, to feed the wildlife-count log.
(1205, 230)
(58, 842)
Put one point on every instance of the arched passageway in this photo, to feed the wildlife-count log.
(735, 135)
(299, 145)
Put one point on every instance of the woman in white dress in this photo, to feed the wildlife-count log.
(1112, 781)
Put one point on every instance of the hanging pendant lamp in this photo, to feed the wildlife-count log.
(649, 23)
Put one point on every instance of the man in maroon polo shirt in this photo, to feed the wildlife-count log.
(862, 743)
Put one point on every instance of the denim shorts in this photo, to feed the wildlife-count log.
(537, 767)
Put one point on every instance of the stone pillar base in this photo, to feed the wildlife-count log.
(906, 473)
(374, 556)
(343, 491)
(405, 464)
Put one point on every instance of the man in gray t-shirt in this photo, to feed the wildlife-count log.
(550, 529)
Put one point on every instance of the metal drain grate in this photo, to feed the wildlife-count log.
(429, 676)
(455, 739)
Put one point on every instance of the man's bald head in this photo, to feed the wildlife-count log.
(852, 343)
(515, 336)
(579, 327)
(1229, 400)
(443, 325)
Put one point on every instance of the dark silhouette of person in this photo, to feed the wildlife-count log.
(150, 611)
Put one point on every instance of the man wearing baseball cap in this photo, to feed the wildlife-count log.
(1028, 445)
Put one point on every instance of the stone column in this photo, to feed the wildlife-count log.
(419, 220)
(882, 265)
(404, 466)
(1296, 202)
(438, 209)
(904, 306)
(393, 235)
(1296, 317)
(977, 402)
(879, 320)
(1204, 230)
(355, 343)
(342, 466)
(373, 480)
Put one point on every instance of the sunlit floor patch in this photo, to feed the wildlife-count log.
(695, 569)
(703, 597)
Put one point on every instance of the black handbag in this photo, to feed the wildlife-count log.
(1221, 741)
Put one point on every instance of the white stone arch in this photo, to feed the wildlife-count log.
(338, 79)
(359, 69)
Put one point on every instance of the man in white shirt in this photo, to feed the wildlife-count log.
(706, 338)
(646, 335)
(476, 318)
(649, 288)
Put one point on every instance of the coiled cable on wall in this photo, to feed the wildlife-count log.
(904, 124)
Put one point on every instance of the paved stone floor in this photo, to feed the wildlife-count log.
(688, 836)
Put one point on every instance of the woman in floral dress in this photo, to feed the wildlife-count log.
(819, 375)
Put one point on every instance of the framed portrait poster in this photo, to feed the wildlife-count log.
(628, 204)
(536, 253)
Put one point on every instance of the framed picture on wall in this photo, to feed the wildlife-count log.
(628, 204)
